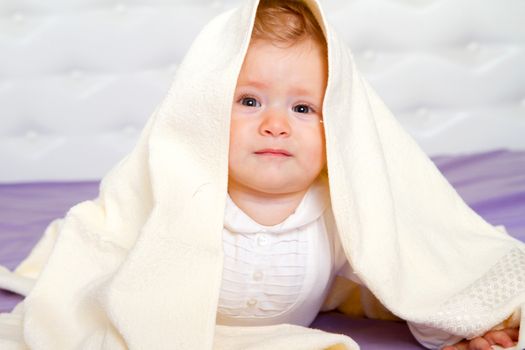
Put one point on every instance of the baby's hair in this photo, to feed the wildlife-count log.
(286, 22)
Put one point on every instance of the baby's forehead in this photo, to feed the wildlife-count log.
(263, 57)
(298, 69)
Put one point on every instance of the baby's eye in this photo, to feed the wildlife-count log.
(250, 102)
(302, 109)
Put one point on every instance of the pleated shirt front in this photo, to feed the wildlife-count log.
(276, 274)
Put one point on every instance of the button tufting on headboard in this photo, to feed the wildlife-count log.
(81, 77)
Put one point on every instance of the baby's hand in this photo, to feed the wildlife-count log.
(505, 337)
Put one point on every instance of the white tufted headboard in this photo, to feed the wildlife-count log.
(79, 78)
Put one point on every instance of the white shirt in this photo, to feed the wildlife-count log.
(282, 273)
(276, 274)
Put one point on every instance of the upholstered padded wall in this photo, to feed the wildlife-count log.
(79, 78)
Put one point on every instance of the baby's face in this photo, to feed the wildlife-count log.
(276, 137)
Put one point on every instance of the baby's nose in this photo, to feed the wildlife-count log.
(275, 122)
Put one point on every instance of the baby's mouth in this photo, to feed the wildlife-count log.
(274, 152)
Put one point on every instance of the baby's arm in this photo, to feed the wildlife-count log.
(429, 337)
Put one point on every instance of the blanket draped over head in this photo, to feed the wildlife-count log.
(140, 266)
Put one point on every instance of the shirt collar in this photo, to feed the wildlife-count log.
(312, 206)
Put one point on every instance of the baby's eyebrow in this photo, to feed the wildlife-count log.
(255, 83)
(302, 91)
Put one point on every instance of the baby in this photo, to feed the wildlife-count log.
(277, 239)
(177, 253)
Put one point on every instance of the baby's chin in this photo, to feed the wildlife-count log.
(270, 187)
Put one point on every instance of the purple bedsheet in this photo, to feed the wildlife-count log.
(492, 183)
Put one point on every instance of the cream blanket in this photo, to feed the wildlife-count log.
(140, 266)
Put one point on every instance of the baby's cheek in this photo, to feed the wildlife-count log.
(236, 156)
(315, 160)
(232, 157)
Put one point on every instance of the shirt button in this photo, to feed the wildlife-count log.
(252, 302)
(262, 240)
(257, 275)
